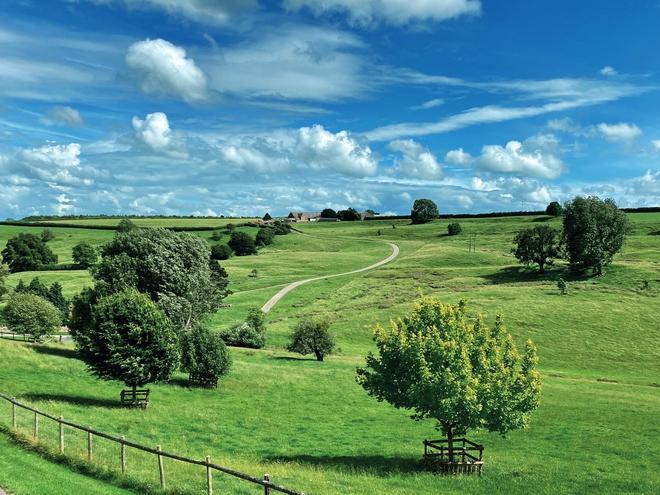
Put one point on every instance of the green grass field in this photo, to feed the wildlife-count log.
(314, 429)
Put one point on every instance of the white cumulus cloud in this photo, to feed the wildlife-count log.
(63, 115)
(416, 161)
(458, 157)
(154, 130)
(535, 157)
(164, 68)
(58, 155)
(608, 70)
(619, 132)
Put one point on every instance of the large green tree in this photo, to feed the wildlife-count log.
(539, 244)
(173, 268)
(594, 231)
(242, 243)
(447, 366)
(31, 315)
(204, 355)
(84, 254)
(27, 252)
(312, 337)
(424, 211)
(128, 338)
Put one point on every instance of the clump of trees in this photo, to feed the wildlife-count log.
(265, 236)
(128, 338)
(349, 215)
(281, 228)
(424, 211)
(454, 228)
(204, 356)
(126, 225)
(539, 245)
(312, 337)
(594, 231)
(221, 252)
(216, 235)
(251, 333)
(554, 209)
(242, 243)
(84, 255)
(329, 213)
(52, 294)
(4, 273)
(444, 365)
(47, 235)
(31, 315)
(27, 252)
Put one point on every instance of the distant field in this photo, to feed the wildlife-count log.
(312, 427)
(157, 222)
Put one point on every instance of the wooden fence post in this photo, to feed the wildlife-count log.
(161, 470)
(266, 487)
(36, 427)
(122, 454)
(61, 435)
(209, 476)
(13, 413)
(89, 446)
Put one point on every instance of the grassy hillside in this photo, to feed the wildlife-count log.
(312, 427)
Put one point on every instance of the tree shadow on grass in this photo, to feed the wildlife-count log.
(520, 274)
(74, 399)
(65, 352)
(294, 358)
(373, 464)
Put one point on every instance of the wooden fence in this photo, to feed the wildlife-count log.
(268, 486)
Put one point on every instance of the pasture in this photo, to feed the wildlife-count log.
(314, 429)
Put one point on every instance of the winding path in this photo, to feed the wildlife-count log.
(283, 292)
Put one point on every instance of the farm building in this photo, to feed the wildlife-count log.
(304, 216)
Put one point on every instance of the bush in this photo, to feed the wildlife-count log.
(561, 285)
(204, 355)
(281, 228)
(52, 294)
(423, 211)
(554, 209)
(594, 231)
(126, 225)
(265, 236)
(251, 333)
(84, 254)
(242, 244)
(538, 245)
(47, 235)
(216, 236)
(230, 227)
(349, 215)
(128, 338)
(27, 252)
(312, 337)
(31, 315)
(328, 213)
(221, 252)
(454, 228)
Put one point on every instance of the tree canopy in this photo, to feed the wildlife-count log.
(242, 243)
(84, 254)
(4, 272)
(594, 231)
(424, 211)
(328, 213)
(265, 236)
(554, 209)
(447, 366)
(31, 315)
(348, 215)
(126, 225)
(312, 337)
(128, 339)
(204, 354)
(27, 252)
(539, 244)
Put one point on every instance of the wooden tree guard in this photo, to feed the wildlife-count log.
(466, 456)
(135, 398)
(202, 380)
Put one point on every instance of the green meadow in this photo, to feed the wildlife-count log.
(312, 427)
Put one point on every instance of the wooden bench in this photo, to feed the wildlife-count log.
(135, 398)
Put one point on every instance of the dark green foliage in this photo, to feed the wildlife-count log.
(423, 211)
(454, 228)
(349, 215)
(251, 333)
(230, 227)
(47, 235)
(53, 294)
(31, 315)
(216, 236)
(38, 288)
(538, 245)
(281, 228)
(265, 236)
(171, 267)
(204, 354)
(27, 252)
(328, 213)
(126, 225)
(594, 231)
(267, 217)
(4, 272)
(221, 252)
(84, 254)
(21, 287)
(554, 209)
(561, 285)
(447, 366)
(242, 244)
(312, 337)
(129, 339)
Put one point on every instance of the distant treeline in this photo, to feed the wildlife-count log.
(61, 225)
(38, 218)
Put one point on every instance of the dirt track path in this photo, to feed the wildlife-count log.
(277, 297)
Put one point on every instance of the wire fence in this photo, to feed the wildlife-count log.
(42, 434)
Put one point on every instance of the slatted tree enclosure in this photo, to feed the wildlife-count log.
(464, 456)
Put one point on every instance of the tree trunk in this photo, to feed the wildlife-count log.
(450, 442)
(541, 267)
(319, 355)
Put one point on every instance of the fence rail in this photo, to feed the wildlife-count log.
(267, 485)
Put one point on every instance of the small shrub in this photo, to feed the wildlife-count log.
(254, 273)
(281, 228)
(204, 355)
(216, 235)
(454, 228)
(221, 252)
(31, 315)
(379, 232)
(47, 235)
(251, 333)
(312, 337)
(265, 236)
(561, 285)
(242, 244)
(126, 225)
(646, 285)
(230, 227)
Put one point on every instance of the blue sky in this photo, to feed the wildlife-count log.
(238, 107)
